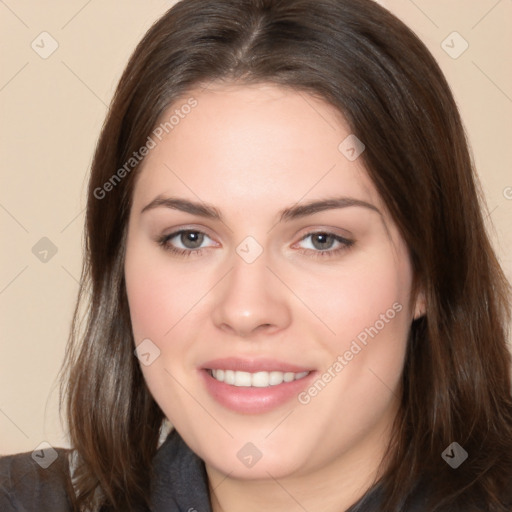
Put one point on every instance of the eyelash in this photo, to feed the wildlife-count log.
(328, 253)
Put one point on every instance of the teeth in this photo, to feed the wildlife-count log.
(229, 376)
(289, 376)
(275, 378)
(260, 379)
(256, 380)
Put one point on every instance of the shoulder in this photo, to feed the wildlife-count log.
(472, 493)
(37, 481)
(482, 492)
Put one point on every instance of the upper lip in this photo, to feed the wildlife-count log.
(253, 365)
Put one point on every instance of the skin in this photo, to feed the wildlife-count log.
(251, 152)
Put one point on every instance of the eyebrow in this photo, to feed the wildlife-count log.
(184, 205)
(294, 212)
(303, 210)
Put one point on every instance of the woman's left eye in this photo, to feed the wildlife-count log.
(325, 243)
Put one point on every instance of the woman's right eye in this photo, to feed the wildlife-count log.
(185, 242)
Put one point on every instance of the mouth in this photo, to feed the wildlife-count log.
(254, 386)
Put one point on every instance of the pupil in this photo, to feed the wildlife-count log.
(322, 241)
(192, 239)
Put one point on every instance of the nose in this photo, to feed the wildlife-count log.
(250, 300)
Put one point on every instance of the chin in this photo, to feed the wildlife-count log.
(253, 460)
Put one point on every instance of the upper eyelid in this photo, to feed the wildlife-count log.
(336, 232)
(338, 238)
(326, 232)
(178, 232)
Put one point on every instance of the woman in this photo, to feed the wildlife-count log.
(283, 223)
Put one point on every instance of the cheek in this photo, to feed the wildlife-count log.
(159, 294)
(374, 332)
(160, 299)
(148, 299)
(374, 293)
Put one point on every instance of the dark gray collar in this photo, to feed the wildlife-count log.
(180, 483)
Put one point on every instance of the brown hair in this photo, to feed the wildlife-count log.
(377, 73)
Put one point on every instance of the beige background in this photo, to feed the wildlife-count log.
(51, 113)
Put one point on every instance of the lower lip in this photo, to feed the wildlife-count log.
(252, 400)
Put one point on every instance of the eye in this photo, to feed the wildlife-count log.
(322, 243)
(186, 241)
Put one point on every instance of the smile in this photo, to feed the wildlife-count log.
(255, 386)
(260, 379)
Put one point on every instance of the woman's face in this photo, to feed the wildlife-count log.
(269, 289)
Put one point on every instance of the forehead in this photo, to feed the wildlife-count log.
(250, 143)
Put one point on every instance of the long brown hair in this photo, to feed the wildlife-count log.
(361, 59)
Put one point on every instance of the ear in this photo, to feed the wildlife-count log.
(420, 305)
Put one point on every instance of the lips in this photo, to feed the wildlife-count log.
(254, 386)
